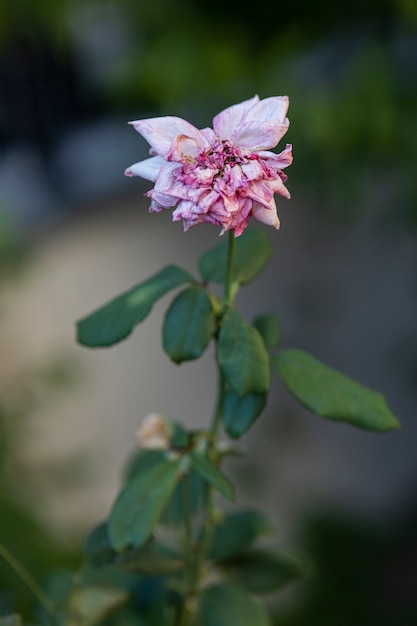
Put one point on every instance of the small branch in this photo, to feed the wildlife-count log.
(27, 580)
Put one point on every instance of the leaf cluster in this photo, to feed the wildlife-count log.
(243, 350)
(152, 560)
(155, 569)
(135, 566)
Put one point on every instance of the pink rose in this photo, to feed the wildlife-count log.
(222, 175)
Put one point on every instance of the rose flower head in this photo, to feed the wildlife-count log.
(222, 175)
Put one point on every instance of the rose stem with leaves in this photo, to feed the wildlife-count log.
(197, 572)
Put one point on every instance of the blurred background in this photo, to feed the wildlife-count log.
(74, 233)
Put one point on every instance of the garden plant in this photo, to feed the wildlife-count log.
(174, 550)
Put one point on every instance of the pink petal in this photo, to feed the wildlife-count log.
(239, 228)
(262, 192)
(189, 212)
(230, 181)
(252, 170)
(167, 180)
(278, 161)
(147, 169)
(270, 110)
(266, 216)
(231, 204)
(258, 135)
(183, 149)
(209, 135)
(207, 200)
(227, 120)
(278, 186)
(155, 207)
(205, 176)
(162, 200)
(160, 132)
(239, 220)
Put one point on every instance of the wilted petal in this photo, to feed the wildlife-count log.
(160, 132)
(266, 216)
(219, 210)
(260, 191)
(258, 135)
(227, 120)
(209, 135)
(252, 170)
(277, 185)
(208, 200)
(206, 176)
(147, 169)
(184, 211)
(270, 110)
(163, 200)
(183, 148)
(239, 219)
(188, 210)
(278, 161)
(231, 204)
(240, 227)
(155, 207)
(166, 178)
(231, 180)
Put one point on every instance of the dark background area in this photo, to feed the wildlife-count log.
(351, 75)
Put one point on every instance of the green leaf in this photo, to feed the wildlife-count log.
(239, 412)
(252, 253)
(140, 505)
(269, 328)
(97, 548)
(225, 605)
(242, 356)
(236, 532)
(178, 436)
(260, 571)
(330, 394)
(173, 514)
(141, 461)
(151, 558)
(188, 325)
(212, 474)
(115, 321)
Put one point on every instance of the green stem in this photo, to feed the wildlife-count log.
(188, 549)
(216, 421)
(227, 302)
(28, 580)
(229, 270)
(217, 415)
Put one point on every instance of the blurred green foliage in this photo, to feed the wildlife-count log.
(21, 533)
(362, 574)
(351, 76)
(13, 248)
